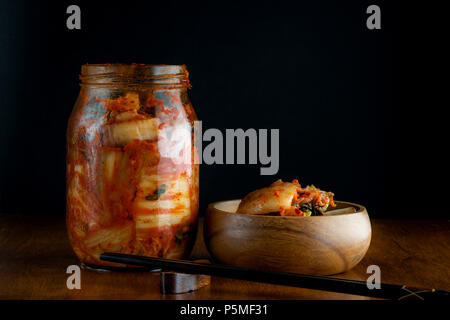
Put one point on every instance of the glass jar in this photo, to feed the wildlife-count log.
(132, 182)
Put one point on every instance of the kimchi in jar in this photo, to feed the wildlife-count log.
(132, 182)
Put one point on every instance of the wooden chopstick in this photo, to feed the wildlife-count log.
(355, 287)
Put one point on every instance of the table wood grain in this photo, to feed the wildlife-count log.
(35, 252)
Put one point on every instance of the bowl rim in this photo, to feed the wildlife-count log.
(359, 210)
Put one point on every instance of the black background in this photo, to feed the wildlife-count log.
(359, 110)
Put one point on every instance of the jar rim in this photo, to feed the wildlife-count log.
(132, 74)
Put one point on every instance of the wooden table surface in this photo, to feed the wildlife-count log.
(34, 255)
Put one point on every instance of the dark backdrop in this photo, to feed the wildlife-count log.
(356, 108)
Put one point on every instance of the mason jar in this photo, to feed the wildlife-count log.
(132, 178)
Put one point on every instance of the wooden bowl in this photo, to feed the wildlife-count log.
(318, 245)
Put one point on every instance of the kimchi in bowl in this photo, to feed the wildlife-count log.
(317, 245)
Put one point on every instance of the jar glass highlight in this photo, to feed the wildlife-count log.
(132, 182)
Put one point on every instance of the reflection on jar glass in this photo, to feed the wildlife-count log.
(132, 182)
